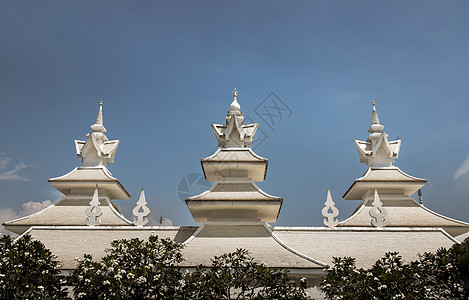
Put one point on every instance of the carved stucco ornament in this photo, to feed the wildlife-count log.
(97, 150)
(141, 211)
(378, 212)
(94, 211)
(235, 134)
(330, 212)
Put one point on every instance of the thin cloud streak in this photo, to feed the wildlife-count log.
(463, 169)
(13, 174)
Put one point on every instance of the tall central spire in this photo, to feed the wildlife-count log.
(377, 151)
(98, 125)
(235, 134)
(97, 150)
(375, 127)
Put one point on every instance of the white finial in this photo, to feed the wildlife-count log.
(330, 217)
(375, 125)
(235, 105)
(98, 125)
(141, 211)
(377, 212)
(94, 211)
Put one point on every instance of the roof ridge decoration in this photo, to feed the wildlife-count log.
(377, 212)
(141, 211)
(330, 217)
(97, 150)
(94, 211)
(235, 133)
(377, 151)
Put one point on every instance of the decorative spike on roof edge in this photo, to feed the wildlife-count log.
(378, 212)
(330, 217)
(141, 211)
(94, 211)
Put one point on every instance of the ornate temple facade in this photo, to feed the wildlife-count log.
(236, 213)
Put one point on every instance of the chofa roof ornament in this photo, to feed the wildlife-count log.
(235, 134)
(377, 151)
(98, 150)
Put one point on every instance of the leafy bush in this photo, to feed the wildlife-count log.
(237, 276)
(440, 275)
(28, 270)
(135, 269)
(132, 269)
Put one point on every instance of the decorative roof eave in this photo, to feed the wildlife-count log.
(391, 148)
(75, 217)
(87, 177)
(405, 216)
(239, 157)
(261, 195)
(402, 180)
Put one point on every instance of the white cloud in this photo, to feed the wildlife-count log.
(463, 169)
(32, 207)
(153, 222)
(14, 173)
(167, 222)
(8, 214)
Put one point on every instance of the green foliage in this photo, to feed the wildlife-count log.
(132, 269)
(440, 275)
(237, 276)
(28, 270)
(135, 269)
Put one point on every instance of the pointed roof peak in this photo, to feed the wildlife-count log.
(235, 107)
(98, 126)
(375, 127)
(374, 114)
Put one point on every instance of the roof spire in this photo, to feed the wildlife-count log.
(98, 125)
(235, 107)
(375, 125)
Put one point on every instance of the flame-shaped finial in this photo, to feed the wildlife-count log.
(98, 125)
(235, 107)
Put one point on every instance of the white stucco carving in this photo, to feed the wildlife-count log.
(235, 133)
(97, 150)
(377, 151)
(94, 211)
(377, 212)
(330, 212)
(141, 211)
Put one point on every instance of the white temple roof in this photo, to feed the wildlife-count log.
(366, 245)
(83, 179)
(71, 242)
(384, 178)
(234, 162)
(402, 212)
(213, 240)
(69, 211)
(290, 247)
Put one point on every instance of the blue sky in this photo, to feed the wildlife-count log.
(166, 69)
